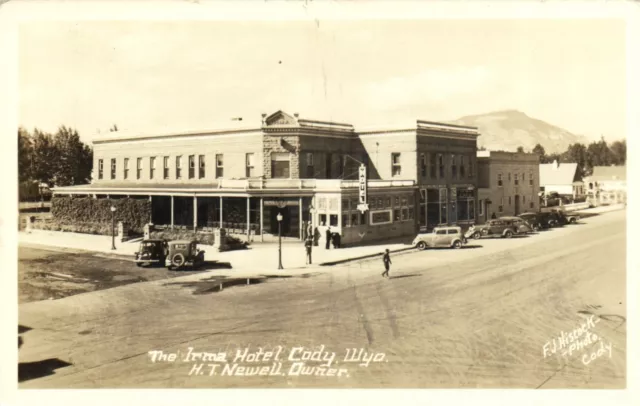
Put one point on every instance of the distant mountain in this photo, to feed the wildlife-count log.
(507, 130)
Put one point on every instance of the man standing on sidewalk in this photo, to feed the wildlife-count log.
(387, 263)
(308, 246)
(327, 236)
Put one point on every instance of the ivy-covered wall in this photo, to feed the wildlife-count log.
(135, 212)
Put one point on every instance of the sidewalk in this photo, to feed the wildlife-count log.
(603, 209)
(258, 257)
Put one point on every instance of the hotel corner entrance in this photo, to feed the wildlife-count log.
(294, 213)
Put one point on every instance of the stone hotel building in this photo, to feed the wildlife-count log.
(240, 179)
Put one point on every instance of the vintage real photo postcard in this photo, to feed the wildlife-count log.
(310, 195)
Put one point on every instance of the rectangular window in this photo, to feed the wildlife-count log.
(165, 167)
(481, 208)
(354, 219)
(509, 200)
(515, 179)
(441, 165)
(179, 167)
(454, 167)
(201, 167)
(396, 168)
(311, 173)
(100, 169)
(113, 168)
(126, 168)
(327, 166)
(363, 218)
(509, 176)
(192, 166)
(138, 168)
(345, 220)
(462, 166)
(396, 215)
(152, 167)
(471, 167)
(499, 209)
(530, 178)
(499, 180)
(531, 205)
(219, 165)
(250, 165)
(432, 165)
(333, 220)
(380, 217)
(423, 165)
(280, 164)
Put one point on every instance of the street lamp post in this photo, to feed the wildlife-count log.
(279, 218)
(113, 227)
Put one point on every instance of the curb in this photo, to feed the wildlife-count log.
(342, 261)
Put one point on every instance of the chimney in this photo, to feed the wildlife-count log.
(296, 115)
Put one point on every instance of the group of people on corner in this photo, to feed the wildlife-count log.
(313, 236)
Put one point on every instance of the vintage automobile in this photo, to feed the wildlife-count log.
(535, 220)
(493, 228)
(521, 224)
(183, 253)
(450, 237)
(566, 217)
(151, 252)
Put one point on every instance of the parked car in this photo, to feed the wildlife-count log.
(549, 219)
(183, 253)
(151, 252)
(493, 228)
(521, 225)
(567, 217)
(450, 237)
(535, 220)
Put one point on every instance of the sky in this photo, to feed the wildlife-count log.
(147, 76)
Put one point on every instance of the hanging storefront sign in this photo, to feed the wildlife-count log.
(281, 203)
(362, 189)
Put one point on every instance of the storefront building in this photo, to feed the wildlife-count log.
(607, 185)
(508, 184)
(312, 173)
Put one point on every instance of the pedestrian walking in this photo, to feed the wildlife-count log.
(327, 237)
(493, 216)
(387, 263)
(308, 244)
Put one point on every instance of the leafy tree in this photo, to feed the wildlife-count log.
(598, 154)
(25, 152)
(576, 153)
(619, 151)
(43, 157)
(520, 149)
(73, 165)
(539, 149)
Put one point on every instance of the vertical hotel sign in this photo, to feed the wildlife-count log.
(362, 189)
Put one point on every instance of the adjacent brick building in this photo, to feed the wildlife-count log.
(508, 184)
(306, 170)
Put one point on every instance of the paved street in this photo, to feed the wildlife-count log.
(484, 316)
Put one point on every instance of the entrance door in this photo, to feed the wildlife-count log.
(285, 223)
(517, 204)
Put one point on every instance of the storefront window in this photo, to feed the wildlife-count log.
(345, 205)
(396, 215)
(323, 219)
(354, 219)
(381, 217)
(405, 214)
(333, 220)
(411, 213)
(345, 220)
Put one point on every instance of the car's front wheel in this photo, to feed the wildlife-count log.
(476, 236)
(457, 244)
(422, 245)
(508, 234)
